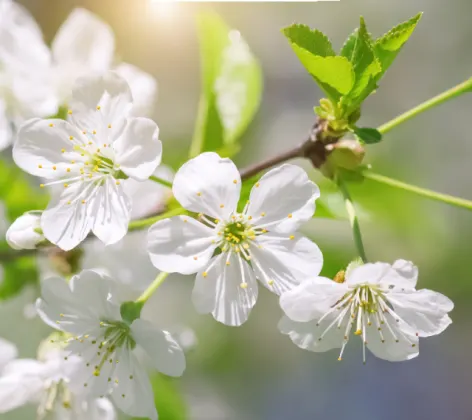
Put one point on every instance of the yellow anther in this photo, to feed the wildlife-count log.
(69, 112)
(235, 181)
(291, 237)
(199, 194)
(290, 216)
(358, 332)
(270, 282)
(264, 230)
(83, 201)
(84, 132)
(249, 218)
(104, 145)
(68, 169)
(40, 166)
(94, 132)
(257, 185)
(339, 358)
(90, 175)
(217, 220)
(185, 220)
(51, 125)
(71, 137)
(41, 185)
(243, 285)
(90, 143)
(69, 202)
(222, 206)
(263, 214)
(86, 163)
(195, 258)
(54, 167)
(109, 125)
(228, 263)
(98, 108)
(98, 150)
(66, 185)
(204, 274)
(72, 161)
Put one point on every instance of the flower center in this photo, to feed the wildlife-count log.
(236, 234)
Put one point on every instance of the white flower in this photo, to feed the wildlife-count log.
(24, 233)
(88, 157)
(46, 384)
(378, 302)
(34, 80)
(230, 249)
(89, 311)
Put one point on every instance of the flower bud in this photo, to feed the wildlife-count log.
(25, 232)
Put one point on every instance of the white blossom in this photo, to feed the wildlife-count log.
(377, 302)
(8, 352)
(25, 232)
(229, 249)
(89, 157)
(36, 80)
(45, 383)
(89, 310)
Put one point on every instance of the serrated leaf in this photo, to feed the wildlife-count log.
(311, 40)
(368, 135)
(335, 75)
(232, 85)
(389, 45)
(348, 48)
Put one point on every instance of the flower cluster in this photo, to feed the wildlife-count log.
(98, 164)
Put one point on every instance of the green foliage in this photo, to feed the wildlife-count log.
(349, 78)
(368, 135)
(169, 403)
(16, 192)
(232, 86)
(131, 311)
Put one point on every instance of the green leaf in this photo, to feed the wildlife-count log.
(389, 45)
(231, 85)
(311, 40)
(348, 48)
(170, 404)
(131, 311)
(16, 192)
(368, 135)
(333, 74)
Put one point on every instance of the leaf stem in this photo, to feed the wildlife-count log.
(353, 220)
(152, 287)
(444, 198)
(139, 224)
(161, 181)
(430, 103)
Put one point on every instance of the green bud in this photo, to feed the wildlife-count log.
(346, 154)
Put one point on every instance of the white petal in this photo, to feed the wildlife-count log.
(6, 135)
(424, 311)
(21, 234)
(407, 270)
(111, 212)
(306, 335)
(67, 220)
(8, 352)
(100, 102)
(311, 299)
(143, 87)
(180, 244)
(369, 274)
(139, 150)
(227, 291)
(282, 263)
(208, 184)
(284, 195)
(17, 390)
(166, 355)
(39, 145)
(149, 197)
(20, 367)
(100, 409)
(84, 40)
(405, 349)
(133, 394)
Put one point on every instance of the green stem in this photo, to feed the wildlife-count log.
(161, 181)
(139, 224)
(430, 103)
(353, 220)
(152, 288)
(444, 198)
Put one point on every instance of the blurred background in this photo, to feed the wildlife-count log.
(253, 372)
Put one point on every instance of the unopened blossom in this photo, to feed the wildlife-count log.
(89, 309)
(89, 157)
(45, 384)
(377, 302)
(25, 232)
(229, 249)
(35, 80)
